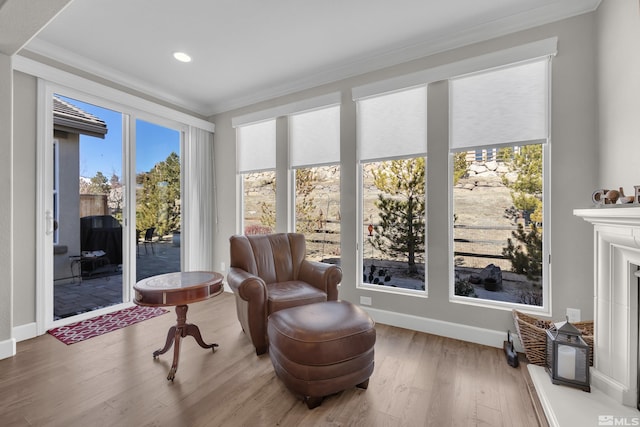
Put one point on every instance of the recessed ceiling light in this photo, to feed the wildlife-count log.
(182, 57)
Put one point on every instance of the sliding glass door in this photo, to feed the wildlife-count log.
(113, 188)
(88, 200)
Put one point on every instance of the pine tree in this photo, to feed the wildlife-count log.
(98, 184)
(115, 199)
(460, 166)
(158, 203)
(527, 188)
(401, 231)
(526, 256)
(527, 260)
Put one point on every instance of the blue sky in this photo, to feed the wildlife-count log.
(153, 144)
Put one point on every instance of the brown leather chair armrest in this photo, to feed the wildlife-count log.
(248, 286)
(252, 290)
(323, 276)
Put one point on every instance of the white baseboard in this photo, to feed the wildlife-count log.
(457, 331)
(7, 348)
(25, 332)
(611, 387)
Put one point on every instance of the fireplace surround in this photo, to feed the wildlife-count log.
(616, 263)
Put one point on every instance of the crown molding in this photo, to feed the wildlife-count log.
(126, 101)
(81, 63)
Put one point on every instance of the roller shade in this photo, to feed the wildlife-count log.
(393, 125)
(505, 106)
(314, 137)
(256, 147)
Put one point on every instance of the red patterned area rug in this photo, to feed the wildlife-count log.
(80, 331)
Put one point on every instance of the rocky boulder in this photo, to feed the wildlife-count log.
(490, 277)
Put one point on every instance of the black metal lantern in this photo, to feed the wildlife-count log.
(567, 356)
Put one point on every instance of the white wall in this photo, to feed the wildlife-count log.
(69, 206)
(7, 344)
(619, 94)
(574, 160)
(24, 201)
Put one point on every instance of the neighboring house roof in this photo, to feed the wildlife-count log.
(69, 118)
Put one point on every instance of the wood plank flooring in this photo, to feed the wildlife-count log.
(113, 380)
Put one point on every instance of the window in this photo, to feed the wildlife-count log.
(314, 148)
(256, 164)
(392, 148)
(500, 117)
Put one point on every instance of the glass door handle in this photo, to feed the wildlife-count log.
(49, 222)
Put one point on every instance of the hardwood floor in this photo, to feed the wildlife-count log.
(112, 380)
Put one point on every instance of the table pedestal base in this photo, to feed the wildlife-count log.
(181, 330)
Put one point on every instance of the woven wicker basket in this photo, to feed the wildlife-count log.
(533, 336)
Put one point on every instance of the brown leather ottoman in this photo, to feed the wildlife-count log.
(322, 348)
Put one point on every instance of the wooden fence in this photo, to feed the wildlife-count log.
(93, 204)
(473, 243)
(323, 242)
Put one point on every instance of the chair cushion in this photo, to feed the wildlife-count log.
(293, 293)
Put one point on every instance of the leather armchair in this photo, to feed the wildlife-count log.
(269, 272)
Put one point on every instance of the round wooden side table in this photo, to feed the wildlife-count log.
(179, 289)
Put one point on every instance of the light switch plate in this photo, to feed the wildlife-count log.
(365, 300)
(573, 314)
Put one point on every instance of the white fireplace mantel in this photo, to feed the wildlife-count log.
(616, 261)
(616, 215)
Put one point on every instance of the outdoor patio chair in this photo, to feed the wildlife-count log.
(148, 239)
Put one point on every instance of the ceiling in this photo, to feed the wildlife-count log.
(252, 50)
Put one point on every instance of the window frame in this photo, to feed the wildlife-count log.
(360, 284)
